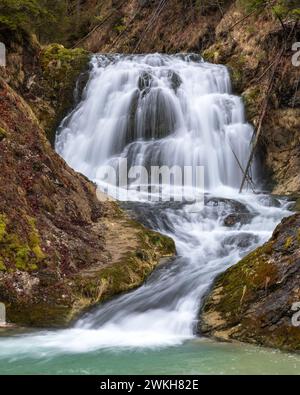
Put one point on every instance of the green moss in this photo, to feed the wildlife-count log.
(34, 240)
(211, 54)
(24, 255)
(3, 134)
(162, 242)
(245, 279)
(2, 266)
(38, 253)
(252, 101)
(130, 272)
(61, 63)
(120, 28)
(236, 66)
(61, 68)
(3, 222)
(288, 242)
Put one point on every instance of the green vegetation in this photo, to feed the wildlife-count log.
(281, 8)
(120, 28)
(22, 14)
(245, 279)
(3, 222)
(252, 98)
(3, 134)
(61, 67)
(60, 63)
(62, 21)
(16, 253)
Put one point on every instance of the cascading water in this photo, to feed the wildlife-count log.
(168, 110)
(162, 110)
(158, 110)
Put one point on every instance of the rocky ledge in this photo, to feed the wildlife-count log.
(257, 300)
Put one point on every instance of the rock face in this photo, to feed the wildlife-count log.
(257, 300)
(61, 250)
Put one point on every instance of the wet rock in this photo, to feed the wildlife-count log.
(175, 80)
(194, 57)
(235, 219)
(255, 300)
(231, 220)
(269, 201)
(233, 211)
(241, 240)
(144, 83)
(227, 203)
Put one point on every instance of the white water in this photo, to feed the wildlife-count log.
(162, 110)
(158, 110)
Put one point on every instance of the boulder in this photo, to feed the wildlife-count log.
(257, 300)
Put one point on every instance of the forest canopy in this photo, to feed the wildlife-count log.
(51, 20)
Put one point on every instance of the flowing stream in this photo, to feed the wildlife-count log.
(159, 110)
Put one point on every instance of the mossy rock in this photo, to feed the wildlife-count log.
(63, 300)
(211, 55)
(237, 66)
(252, 301)
(61, 68)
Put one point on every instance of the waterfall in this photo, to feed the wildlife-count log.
(158, 110)
(162, 110)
